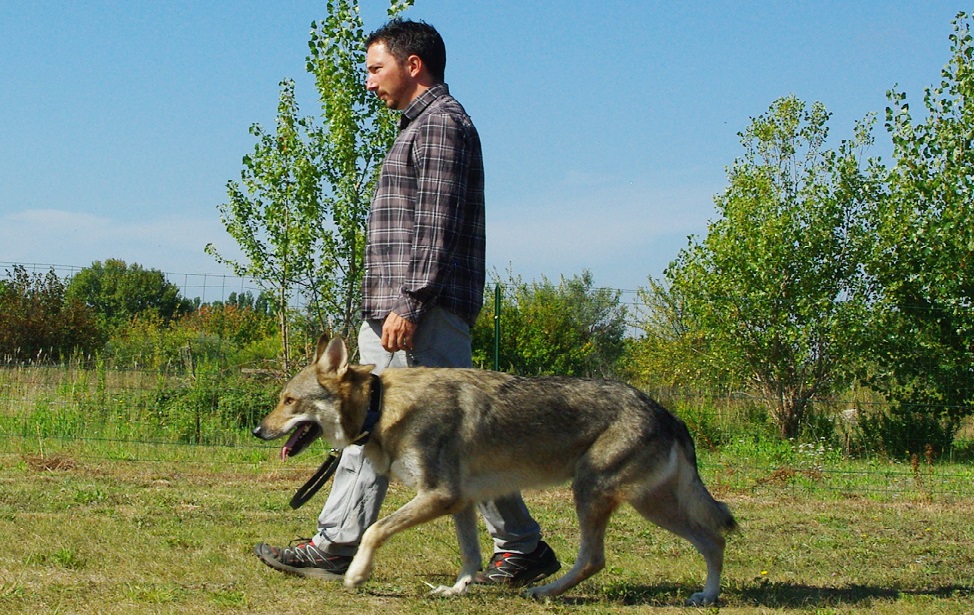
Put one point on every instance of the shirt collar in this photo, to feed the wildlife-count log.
(419, 104)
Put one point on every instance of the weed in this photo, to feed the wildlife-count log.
(12, 590)
(228, 598)
(91, 494)
(63, 557)
(67, 558)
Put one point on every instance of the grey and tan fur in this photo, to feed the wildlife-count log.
(460, 436)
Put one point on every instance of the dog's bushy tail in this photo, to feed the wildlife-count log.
(706, 510)
(727, 522)
(703, 508)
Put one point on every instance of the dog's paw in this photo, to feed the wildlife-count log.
(457, 589)
(353, 583)
(539, 593)
(356, 576)
(448, 591)
(701, 599)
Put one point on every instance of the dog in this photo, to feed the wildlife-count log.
(461, 436)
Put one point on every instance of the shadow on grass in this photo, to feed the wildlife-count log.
(771, 595)
(798, 595)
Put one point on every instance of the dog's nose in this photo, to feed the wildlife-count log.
(256, 432)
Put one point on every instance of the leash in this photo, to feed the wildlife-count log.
(327, 469)
(317, 481)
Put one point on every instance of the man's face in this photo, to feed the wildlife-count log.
(388, 78)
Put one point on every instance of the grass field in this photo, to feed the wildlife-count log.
(95, 527)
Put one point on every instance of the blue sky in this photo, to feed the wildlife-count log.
(607, 124)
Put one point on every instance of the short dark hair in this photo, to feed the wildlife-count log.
(403, 38)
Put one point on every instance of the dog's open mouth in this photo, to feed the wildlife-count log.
(304, 434)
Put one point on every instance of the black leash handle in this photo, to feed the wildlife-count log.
(317, 481)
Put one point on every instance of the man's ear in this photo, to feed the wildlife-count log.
(415, 65)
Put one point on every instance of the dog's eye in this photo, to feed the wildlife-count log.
(289, 401)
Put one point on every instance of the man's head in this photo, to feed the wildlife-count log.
(404, 58)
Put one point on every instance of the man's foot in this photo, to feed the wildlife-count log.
(305, 559)
(517, 569)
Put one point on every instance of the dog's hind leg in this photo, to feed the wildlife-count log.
(593, 518)
(666, 510)
(466, 526)
(426, 506)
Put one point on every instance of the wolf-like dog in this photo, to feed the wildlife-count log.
(461, 436)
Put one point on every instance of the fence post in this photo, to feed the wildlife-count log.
(497, 327)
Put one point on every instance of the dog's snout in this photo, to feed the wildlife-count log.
(258, 433)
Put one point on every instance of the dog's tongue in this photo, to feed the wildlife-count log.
(286, 451)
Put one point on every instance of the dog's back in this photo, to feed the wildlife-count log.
(507, 433)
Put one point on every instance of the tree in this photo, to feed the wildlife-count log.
(261, 304)
(572, 329)
(299, 211)
(773, 287)
(672, 352)
(37, 321)
(358, 131)
(921, 263)
(117, 292)
(275, 209)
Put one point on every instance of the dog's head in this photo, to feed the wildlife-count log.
(327, 398)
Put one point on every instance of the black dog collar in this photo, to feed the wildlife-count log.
(327, 469)
(375, 411)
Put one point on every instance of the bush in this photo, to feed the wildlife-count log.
(903, 432)
(569, 329)
(37, 322)
(212, 407)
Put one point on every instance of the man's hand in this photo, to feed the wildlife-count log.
(397, 333)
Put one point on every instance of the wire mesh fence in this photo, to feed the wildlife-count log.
(149, 419)
(170, 414)
(206, 287)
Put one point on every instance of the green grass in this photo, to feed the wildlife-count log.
(210, 407)
(127, 527)
(127, 492)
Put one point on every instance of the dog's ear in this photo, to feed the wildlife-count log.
(332, 360)
(320, 348)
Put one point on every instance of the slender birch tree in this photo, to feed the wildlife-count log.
(298, 212)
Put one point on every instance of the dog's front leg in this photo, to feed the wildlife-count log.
(427, 505)
(465, 522)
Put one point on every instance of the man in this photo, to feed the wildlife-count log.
(423, 288)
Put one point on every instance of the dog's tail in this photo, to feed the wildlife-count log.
(724, 518)
(701, 505)
(703, 508)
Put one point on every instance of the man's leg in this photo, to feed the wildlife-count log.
(353, 504)
(510, 524)
(357, 491)
(520, 557)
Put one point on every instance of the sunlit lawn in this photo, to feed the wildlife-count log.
(90, 527)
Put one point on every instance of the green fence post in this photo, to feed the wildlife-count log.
(497, 327)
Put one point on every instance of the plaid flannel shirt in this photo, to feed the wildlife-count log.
(425, 237)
